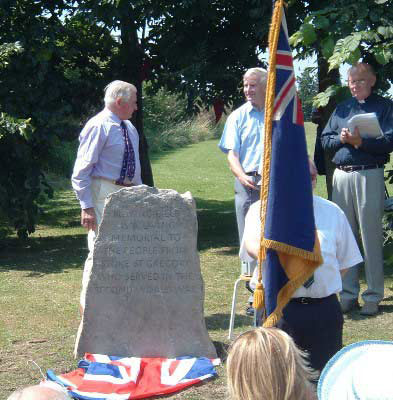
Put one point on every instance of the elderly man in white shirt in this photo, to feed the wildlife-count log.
(107, 159)
(313, 317)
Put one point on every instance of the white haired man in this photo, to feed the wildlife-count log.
(242, 141)
(107, 159)
(358, 182)
(44, 391)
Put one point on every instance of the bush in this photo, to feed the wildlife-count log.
(62, 158)
(193, 130)
(23, 185)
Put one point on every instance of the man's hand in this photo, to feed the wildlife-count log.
(237, 170)
(88, 219)
(247, 181)
(354, 139)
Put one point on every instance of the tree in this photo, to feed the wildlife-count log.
(43, 96)
(307, 89)
(71, 49)
(348, 31)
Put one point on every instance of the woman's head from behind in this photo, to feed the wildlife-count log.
(265, 364)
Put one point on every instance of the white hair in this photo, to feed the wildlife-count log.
(262, 73)
(118, 90)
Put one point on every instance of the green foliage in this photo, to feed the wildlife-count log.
(23, 187)
(337, 91)
(167, 124)
(43, 85)
(346, 31)
(194, 130)
(307, 89)
(346, 50)
(162, 109)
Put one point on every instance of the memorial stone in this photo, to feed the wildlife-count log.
(145, 294)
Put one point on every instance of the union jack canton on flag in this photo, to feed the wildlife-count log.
(288, 235)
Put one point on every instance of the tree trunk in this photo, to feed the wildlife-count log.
(325, 79)
(131, 56)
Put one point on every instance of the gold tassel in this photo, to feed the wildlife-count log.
(259, 297)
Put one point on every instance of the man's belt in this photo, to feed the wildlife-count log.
(310, 300)
(114, 182)
(351, 168)
(253, 173)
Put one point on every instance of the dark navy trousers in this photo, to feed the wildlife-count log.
(316, 328)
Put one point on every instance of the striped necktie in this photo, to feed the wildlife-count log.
(128, 166)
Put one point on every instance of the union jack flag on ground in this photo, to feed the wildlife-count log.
(101, 377)
(288, 236)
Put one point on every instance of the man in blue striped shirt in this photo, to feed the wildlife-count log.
(242, 141)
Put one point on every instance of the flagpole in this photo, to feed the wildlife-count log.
(274, 32)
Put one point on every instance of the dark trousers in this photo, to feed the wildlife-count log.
(316, 328)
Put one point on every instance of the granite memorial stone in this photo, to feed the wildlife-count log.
(145, 294)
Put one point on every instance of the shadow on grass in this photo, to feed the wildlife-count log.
(217, 225)
(221, 349)
(44, 255)
(62, 211)
(221, 321)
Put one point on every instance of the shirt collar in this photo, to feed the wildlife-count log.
(365, 101)
(112, 115)
(250, 107)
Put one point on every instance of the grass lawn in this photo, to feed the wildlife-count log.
(40, 278)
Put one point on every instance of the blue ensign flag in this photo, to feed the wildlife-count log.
(288, 236)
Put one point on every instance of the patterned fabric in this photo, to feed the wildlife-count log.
(101, 377)
(128, 166)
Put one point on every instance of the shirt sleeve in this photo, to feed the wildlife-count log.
(230, 139)
(91, 142)
(348, 254)
(330, 136)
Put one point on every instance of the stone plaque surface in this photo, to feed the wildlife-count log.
(145, 294)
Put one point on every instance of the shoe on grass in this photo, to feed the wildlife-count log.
(369, 308)
(348, 305)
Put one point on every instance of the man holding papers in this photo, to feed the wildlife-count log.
(358, 181)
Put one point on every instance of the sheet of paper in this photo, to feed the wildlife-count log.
(368, 125)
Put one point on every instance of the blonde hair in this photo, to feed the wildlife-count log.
(265, 363)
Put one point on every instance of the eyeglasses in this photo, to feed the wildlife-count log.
(359, 82)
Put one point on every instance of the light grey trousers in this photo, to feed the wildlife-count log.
(244, 197)
(360, 194)
(100, 189)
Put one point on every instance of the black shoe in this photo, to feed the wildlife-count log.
(250, 311)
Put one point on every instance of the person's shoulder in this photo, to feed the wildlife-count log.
(321, 202)
(345, 104)
(98, 118)
(240, 111)
(381, 100)
(325, 204)
(101, 123)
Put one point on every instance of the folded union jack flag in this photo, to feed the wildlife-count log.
(101, 377)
